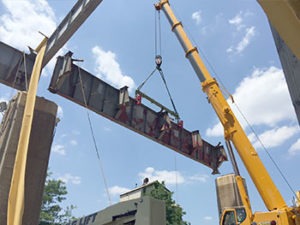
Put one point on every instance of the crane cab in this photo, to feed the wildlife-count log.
(233, 216)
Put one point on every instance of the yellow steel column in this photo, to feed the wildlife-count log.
(17, 190)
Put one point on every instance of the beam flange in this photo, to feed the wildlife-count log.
(15, 67)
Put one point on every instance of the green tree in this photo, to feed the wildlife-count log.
(174, 212)
(52, 212)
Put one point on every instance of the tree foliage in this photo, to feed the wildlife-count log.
(52, 212)
(174, 212)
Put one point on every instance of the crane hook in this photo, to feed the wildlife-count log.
(158, 61)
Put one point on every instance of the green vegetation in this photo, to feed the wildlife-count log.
(55, 192)
(174, 212)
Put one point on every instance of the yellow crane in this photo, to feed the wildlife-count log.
(279, 212)
(238, 213)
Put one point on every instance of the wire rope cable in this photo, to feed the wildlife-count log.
(165, 83)
(158, 61)
(157, 33)
(94, 139)
(202, 53)
(12, 88)
(25, 71)
(268, 153)
(142, 84)
(176, 177)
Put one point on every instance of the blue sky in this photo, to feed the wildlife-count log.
(117, 45)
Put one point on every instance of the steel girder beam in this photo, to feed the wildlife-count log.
(15, 67)
(72, 21)
(70, 81)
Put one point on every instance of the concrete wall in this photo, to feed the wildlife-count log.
(291, 68)
(38, 154)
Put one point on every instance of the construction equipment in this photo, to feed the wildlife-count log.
(237, 210)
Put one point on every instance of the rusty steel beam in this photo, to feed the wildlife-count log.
(71, 81)
(15, 67)
(68, 26)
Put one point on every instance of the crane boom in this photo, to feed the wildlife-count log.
(232, 128)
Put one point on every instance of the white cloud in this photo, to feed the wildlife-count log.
(243, 44)
(59, 149)
(25, 19)
(264, 97)
(74, 142)
(108, 68)
(214, 25)
(207, 218)
(107, 129)
(199, 178)
(117, 190)
(169, 177)
(60, 112)
(275, 137)
(197, 16)
(237, 21)
(75, 132)
(68, 178)
(216, 131)
(259, 97)
(243, 33)
(250, 33)
(295, 148)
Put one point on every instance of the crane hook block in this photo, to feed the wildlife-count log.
(158, 61)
